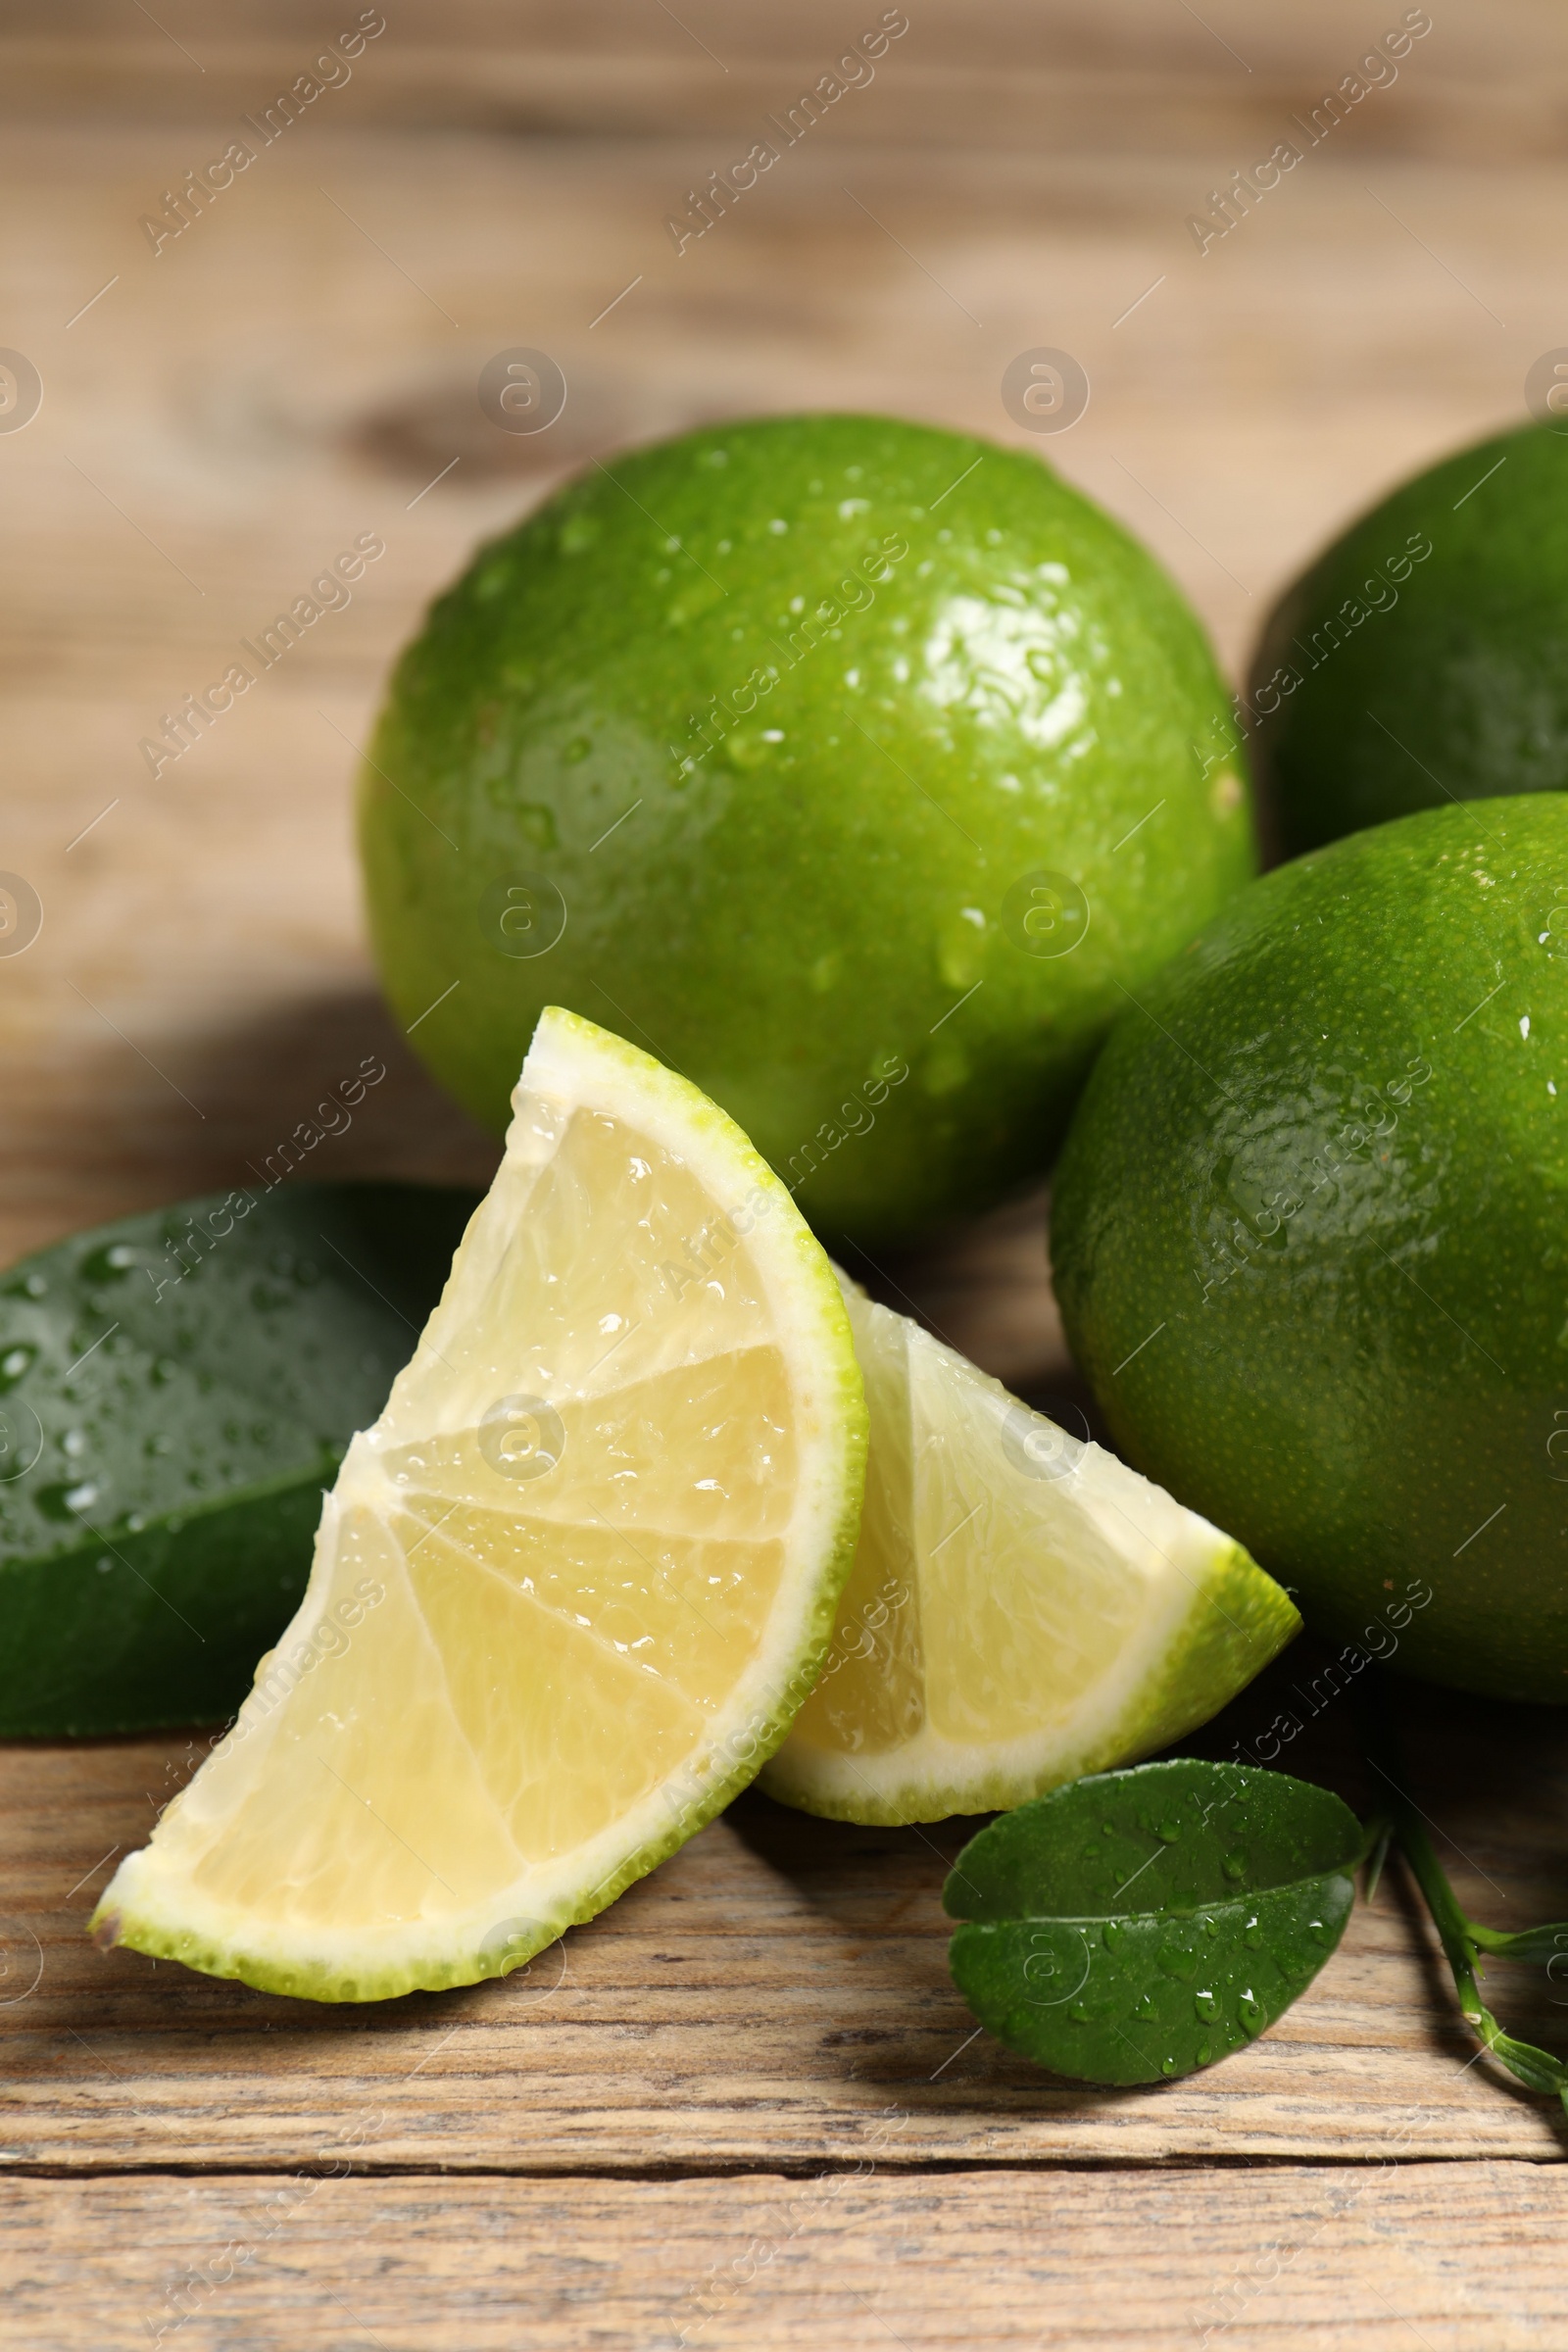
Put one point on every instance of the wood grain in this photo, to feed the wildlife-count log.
(1120, 78)
(1302, 2259)
(776, 1995)
(227, 414)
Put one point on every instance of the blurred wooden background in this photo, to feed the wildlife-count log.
(220, 417)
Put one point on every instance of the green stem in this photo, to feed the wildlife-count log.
(1463, 1939)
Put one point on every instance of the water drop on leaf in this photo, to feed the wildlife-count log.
(1050, 1862)
(1177, 1961)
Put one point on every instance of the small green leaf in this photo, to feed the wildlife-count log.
(176, 1392)
(1134, 1926)
(1537, 2070)
(1463, 1939)
(1539, 1946)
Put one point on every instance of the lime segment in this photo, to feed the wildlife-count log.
(1023, 1608)
(567, 1592)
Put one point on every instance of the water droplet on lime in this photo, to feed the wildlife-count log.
(108, 1263)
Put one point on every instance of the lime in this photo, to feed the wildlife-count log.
(850, 766)
(1423, 658)
(1022, 1607)
(1312, 1245)
(567, 1592)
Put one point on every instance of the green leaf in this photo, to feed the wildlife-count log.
(1537, 2070)
(1539, 1946)
(1134, 1926)
(175, 1391)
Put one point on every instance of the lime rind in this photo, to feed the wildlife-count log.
(1238, 1621)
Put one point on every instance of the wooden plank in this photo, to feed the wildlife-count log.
(1119, 78)
(776, 1994)
(1305, 2259)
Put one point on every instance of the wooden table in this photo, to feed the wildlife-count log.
(746, 2108)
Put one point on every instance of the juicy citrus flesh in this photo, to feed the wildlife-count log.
(569, 1590)
(1022, 1608)
(857, 763)
(1318, 1183)
(1423, 657)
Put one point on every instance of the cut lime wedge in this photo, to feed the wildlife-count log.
(571, 1589)
(1022, 1608)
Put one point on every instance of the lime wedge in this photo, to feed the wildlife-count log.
(567, 1592)
(1023, 1607)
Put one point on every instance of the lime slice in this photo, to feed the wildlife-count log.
(1022, 1607)
(567, 1592)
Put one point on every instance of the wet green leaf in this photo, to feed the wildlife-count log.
(1132, 1927)
(175, 1391)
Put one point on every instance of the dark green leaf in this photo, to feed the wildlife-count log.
(175, 1391)
(1132, 1927)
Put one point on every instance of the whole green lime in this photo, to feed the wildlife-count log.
(1311, 1238)
(853, 768)
(1424, 659)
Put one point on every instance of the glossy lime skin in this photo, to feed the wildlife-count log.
(1310, 1235)
(1388, 680)
(780, 713)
